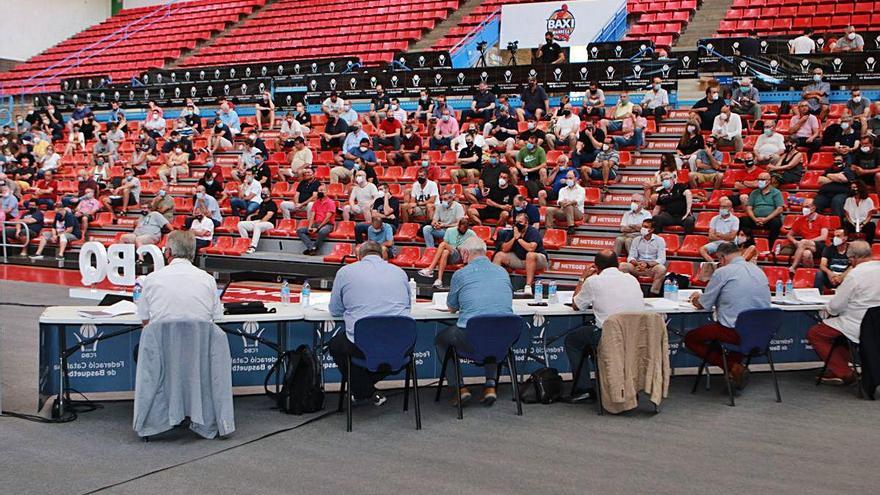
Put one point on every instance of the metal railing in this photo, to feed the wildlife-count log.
(465, 53)
(5, 244)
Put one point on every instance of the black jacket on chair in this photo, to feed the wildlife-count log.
(869, 351)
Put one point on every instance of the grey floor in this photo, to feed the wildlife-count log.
(819, 440)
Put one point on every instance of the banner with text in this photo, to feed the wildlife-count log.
(575, 23)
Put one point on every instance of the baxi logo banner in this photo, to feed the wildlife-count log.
(561, 23)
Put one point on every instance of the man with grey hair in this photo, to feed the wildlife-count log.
(858, 292)
(480, 288)
(851, 41)
(631, 224)
(370, 287)
(179, 291)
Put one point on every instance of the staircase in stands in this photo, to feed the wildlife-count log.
(705, 23)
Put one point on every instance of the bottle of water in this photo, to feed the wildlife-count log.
(551, 292)
(539, 292)
(667, 288)
(305, 295)
(138, 289)
(789, 290)
(674, 287)
(285, 292)
(413, 291)
(780, 289)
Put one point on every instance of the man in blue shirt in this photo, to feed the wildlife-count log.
(522, 248)
(229, 117)
(480, 288)
(65, 230)
(370, 287)
(735, 287)
(382, 234)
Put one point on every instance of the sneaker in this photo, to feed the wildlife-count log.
(465, 396)
(571, 230)
(438, 284)
(739, 376)
(37, 257)
(424, 272)
(379, 399)
(582, 395)
(489, 396)
(251, 250)
(527, 290)
(308, 252)
(59, 258)
(829, 379)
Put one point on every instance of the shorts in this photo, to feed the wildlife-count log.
(596, 174)
(420, 211)
(489, 213)
(454, 257)
(518, 264)
(789, 249)
(477, 192)
(788, 177)
(47, 234)
(265, 113)
(713, 246)
(117, 200)
(529, 113)
(701, 177)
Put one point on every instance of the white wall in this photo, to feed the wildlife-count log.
(133, 4)
(31, 26)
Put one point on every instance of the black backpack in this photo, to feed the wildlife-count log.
(544, 386)
(301, 390)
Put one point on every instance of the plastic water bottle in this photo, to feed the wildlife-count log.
(285, 292)
(667, 288)
(138, 289)
(539, 292)
(413, 291)
(789, 290)
(551, 292)
(674, 287)
(305, 295)
(780, 289)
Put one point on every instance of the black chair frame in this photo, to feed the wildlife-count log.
(411, 374)
(509, 361)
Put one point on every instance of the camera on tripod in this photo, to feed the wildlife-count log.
(481, 46)
(513, 46)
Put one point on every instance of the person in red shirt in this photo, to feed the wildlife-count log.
(812, 229)
(322, 218)
(390, 133)
(410, 148)
(46, 190)
(747, 183)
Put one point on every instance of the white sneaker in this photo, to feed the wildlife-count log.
(438, 284)
(251, 250)
(424, 272)
(37, 257)
(527, 290)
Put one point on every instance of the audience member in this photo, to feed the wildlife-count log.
(447, 253)
(803, 44)
(379, 104)
(382, 234)
(806, 238)
(587, 148)
(321, 220)
(724, 227)
(482, 106)
(849, 42)
(249, 196)
(334, 132)
(647, 257)
(866, 162)
(770, 145)
(126, 195)
(631, 224)
(424, 197)
(501, 131)
(788, 168)
(594, 101)
(727, 129)
(764, 208)
(445, 130)
(673, 206)
(27, 227)
(656, 101)
(550, 52)
(707, 167)
(858, 210)
(815, 95)
(306, 193)
(633, 130)
(531, 165)
(690, 143)
(746, 100)
(834, 263)
(834, 187)
(619, 111)
(557, 179)
(202, 228)
(564, 130)
(605, 166)
(859, 108)
(708, 108)
(360, 201)
(570, 204)
(209, 205)
(447, 215)
(389, 132)
(522, 247)
(535, 103)
(259, 221)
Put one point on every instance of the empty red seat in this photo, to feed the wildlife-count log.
(692, 244)
(554, 239)
(407, 232)
(804, 278)
(672, 243)
(426, 258)
(341, 252)
(343, 230)
(407, 256)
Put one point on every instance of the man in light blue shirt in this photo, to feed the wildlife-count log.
(370, 287)
(355, 136)
(735, 287)
(382, 234)
(480, 288)
(229, 117)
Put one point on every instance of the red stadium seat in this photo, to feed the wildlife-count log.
(804, 278)
(340, 253)
(407, 256)
(691, 245)
(408, 232)
(554, 239)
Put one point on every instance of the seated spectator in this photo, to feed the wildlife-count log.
(522, 247)
(260, 220)
(46, 191)
(834, 263)
(334, 132)
(724, 227)
(424, 197)
(570, 204)
(229, 117)
(301, 159)
(126, 195)
(815, 95)
(745, 99)
(469, 162)
(858, 292)
(213, 182)
(858, 210)
(397, 112)
(75, 140)
(425, 106)
(482, 105)
(564, 130)
(690, 143)
(163, 203)
(707, 109)
(849, 42)
(50, 161)
(361, 199)
(806, 238)
(532, 128)
(803, 44)
(619, 111)
(322, 219)
(727, 129)
(745, 240)
(866, 162)
(674, 202)
(605, 166)
(202, 228)
(445, 130)
(735, 287)
(191, 114)
(8, 203)
(303, 117)
(65, 229)
(842, 137)
(389, 132)
(176, 164)
(354, 160)
(333, 104)
(858, 107)
(770, 145)
(647, 257)
(556, 180)
(501, 131)
(747, 182)
(306, 193)
(83, 183)
(209, 205)
(834, 187)
(220, 138)
(386, 207)
(522, 205)
(105, 149)
(594, 102)
(290, 130)
(656, 101)
(27, 227)
(489, 175)
(633, 130)
(265, 111)
(155, 125)
(531, 165)
(764, 208)
(382, 234)
(25, 173)
(379, 104)
(144, 152)
(77, 117)
(249, 196)
(805, 129)
(447, 253)
(148, 230)
(608, 291)
(587, 148)
(535, 103)
(550, 52)
(708, 167)
(788, 168)
(480, 288)
(447, 215)
(631, 224)
(410, 150)
(461, 140)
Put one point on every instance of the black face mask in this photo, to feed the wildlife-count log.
(566, 113)
(320, 195)
(422, 180)
(521, 226)
(749, 163)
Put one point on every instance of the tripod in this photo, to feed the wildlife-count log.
(512, 60)
(482, 61)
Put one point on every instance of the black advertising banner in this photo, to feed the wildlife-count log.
(796, 70)
(687, 64)
(424, 60)
(275, 70)
(84, 83)
(621, 50)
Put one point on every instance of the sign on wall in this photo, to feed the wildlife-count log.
(572, 23)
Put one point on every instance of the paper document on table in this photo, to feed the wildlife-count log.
(565, 296)
(661, 304)
(320, 301)
(118, 309)
(438, 301)
(803, 297)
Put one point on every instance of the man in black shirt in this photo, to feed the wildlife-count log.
(550, 52)
(255, 141)
(834, 264)
(212, 187)
(262, 172)
(531, 130)
(708, 108)
(589, 143)
(502, 132)
(535, 103)
(302, 116)
(174, 141)
(334, 132)
(386, 207)
(675, 202)
(260, 221)
(482, 106)
(499, 201)
(521, 247)
(306, 193)
(470, 161)
(379, 104)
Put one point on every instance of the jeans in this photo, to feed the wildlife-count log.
(48, 202)
(575, 342)
(637, 139)
(239, 204)
(697, 341)
(476, 114)
(69, 201)
(323, 232)
(363, 381)
(454, 336)
(437, 143)
(431, 235)
(834, 201)
(393, 141)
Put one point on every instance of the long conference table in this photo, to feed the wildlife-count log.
(96, 356)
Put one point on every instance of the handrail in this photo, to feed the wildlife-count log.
(4, 241)
(475, 31)
(90, 51)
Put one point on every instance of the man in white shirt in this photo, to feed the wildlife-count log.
(565, 128)
(631, 224)
(179, 291)
(770, 144)
(348, 114)
(727, 129)
(656, 101)
(202, 228)
(333, 103)
(570, 204)
(647, 257)
(609, 291)
(249, 196)
(398, 112)
(722, 228)
(424, 197)
(858, 292)
(803, 44)
(360, 201)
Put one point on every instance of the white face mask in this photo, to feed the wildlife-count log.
(605, 147)
(502, 182)
(634, 206)
(851, 36)
(740, 240)
(644, 231)
(569, 182)
(844, 125)
(691, 128)
(865, 149)
(856, 99)
(360, 180)
(363, 149)
(837, 241)
(806, 212)
(724, 212)
(762, 184)
(445, 204)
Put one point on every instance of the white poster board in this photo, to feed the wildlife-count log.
(572, 23)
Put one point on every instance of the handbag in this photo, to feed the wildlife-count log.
(543, 386)
(246, 308)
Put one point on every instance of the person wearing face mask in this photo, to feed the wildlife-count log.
(397, 111)
(424, 197)
(805, 129)
(859, 292)
(482, 106)
(570, 204)
(502, 131)
(550, 52)
(789, 167)
(656, 100)
(842, 137)
(605, 166)
(646, 256)
(202, 228)
(708, 108)
(745, 99)
(354, 137)
(249, 196)
(148, 230)
(445, 130)
(208, 205)
(866, 162)
(83, 182)
(469, 162)
(631, 224)
(594, 102)
(727, 129)
(834, 187)
(724, 227)
(764, 208)
(674, 203)
(386, 207)
(425, 106)
(126, 195)
(261, 220)
(290, 130)
(834, 263)
(588, 145)
(9, 203)
(633, 130)
(815, 95)
(806, 239)
(379, 104)
(301, 159)
(522, 247)
(105, 149)
(27, 227)
(708, 167)
(621, 110)
(212, 183)
(176, 164)
(75, 140)
(770, 145)
(564, 129)
(361, 199)
(498, 195)
(556, 180)
(447, 215)
(531, 165)
(849, 42)
(858, 210)
(535, 103)
(155, 125)
(735, 287)
(389, 132)
(163, 203)
(219, 139)
(382, 234)
(321, 221)
(265, 112)
(334, 132)
(859, 108)
(690, 142)
(410, 148)
(352, 160)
